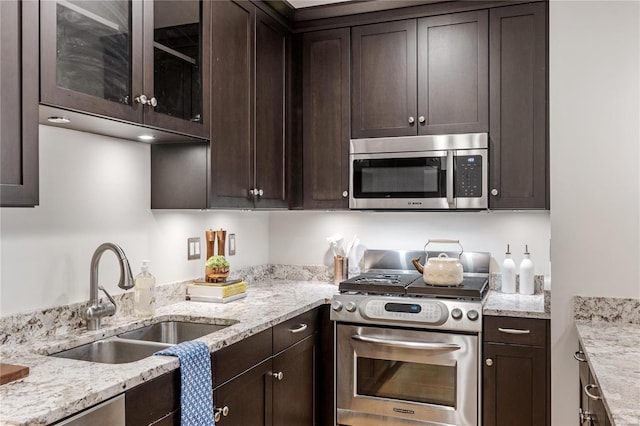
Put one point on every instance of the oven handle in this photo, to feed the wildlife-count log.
(450, 171)
(407, 344)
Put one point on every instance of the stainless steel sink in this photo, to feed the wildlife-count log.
(173, 332)
(112, 351)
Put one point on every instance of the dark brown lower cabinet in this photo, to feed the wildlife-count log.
(516, 385)
(246, 398)
(293, 390)
(592, 411)
(156, 402)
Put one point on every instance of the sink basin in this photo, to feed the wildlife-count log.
(112, 351)
(173, 332)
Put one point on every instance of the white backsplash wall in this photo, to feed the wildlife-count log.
(299, 237)
(95, 189)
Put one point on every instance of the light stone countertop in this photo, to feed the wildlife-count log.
(58, 387)
(609, 331)
(517, 305)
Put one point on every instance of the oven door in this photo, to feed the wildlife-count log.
(402, 180)
(398, 376)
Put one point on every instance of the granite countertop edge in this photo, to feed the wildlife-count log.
(609, 332)
(57, 388)
(517, 305)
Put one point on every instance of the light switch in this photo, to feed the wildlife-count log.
(193, 248)
(232, 244)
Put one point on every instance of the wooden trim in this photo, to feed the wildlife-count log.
(372, 12)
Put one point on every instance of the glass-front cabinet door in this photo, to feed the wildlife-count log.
(176, 64)
(141, 61)
(91, 56)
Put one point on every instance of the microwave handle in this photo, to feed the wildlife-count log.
(450, 172)
(407, 343)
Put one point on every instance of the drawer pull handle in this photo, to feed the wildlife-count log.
(278, 376)
(299, 329)
(579, 356)
(513, 331)
(587, 391)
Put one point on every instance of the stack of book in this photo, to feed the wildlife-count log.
(223, 292)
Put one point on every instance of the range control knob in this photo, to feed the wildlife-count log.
(336, 305)
(456, 313)
(350, 306)
(473, 315)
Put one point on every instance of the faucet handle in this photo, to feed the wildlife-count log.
(115, 306)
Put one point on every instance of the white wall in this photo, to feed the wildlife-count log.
(95, 189)
(595, 185)
(299, 237)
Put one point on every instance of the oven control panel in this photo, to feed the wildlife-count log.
(416, 312)
(428, 312)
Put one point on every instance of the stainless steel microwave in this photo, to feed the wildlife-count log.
(434, 172)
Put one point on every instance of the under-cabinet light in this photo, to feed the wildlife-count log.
(146, 137)
(59, 120)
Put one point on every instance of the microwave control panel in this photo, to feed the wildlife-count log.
(468, 176)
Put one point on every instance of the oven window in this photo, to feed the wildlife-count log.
(423, 177)
(407, 381)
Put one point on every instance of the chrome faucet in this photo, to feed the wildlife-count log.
(97, 310)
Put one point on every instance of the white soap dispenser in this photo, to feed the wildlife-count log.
(508, 273)
(526, 273)
(144, 299)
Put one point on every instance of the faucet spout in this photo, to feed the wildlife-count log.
(97, 310)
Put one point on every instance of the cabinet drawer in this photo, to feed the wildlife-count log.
(519, 331)
(294, 330)
(239, 357)
(154, 400)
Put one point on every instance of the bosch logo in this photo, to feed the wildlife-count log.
(414, 203)
(403, 411)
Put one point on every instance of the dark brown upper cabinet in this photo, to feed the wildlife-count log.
(519, 164)
(424, 76)
(19, 104)
(248, 138)
(325, 117)
(143, 62)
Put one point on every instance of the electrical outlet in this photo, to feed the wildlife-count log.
(232, 244)
(193, 248)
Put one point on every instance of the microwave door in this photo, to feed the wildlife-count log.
(416, 180)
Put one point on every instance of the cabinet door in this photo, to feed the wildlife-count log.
(453, 73)
(247, 398)
(519, 173)
(18, 103)
(231, 104)
(514, 386)
(91, 53)
(155, 401)
(270, 104)
(326, 119)
(293, 393)
(384, 80)
(176, 65)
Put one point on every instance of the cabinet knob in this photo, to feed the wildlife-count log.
(494, 192)
(585, 416)
(489, 362)
(345, 194)
(278, 375)
(412, 120)
(421, 119)
(219, 412)
(142, 99)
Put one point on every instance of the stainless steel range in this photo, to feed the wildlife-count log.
(408, 353)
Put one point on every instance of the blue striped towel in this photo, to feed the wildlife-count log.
(196, 394)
